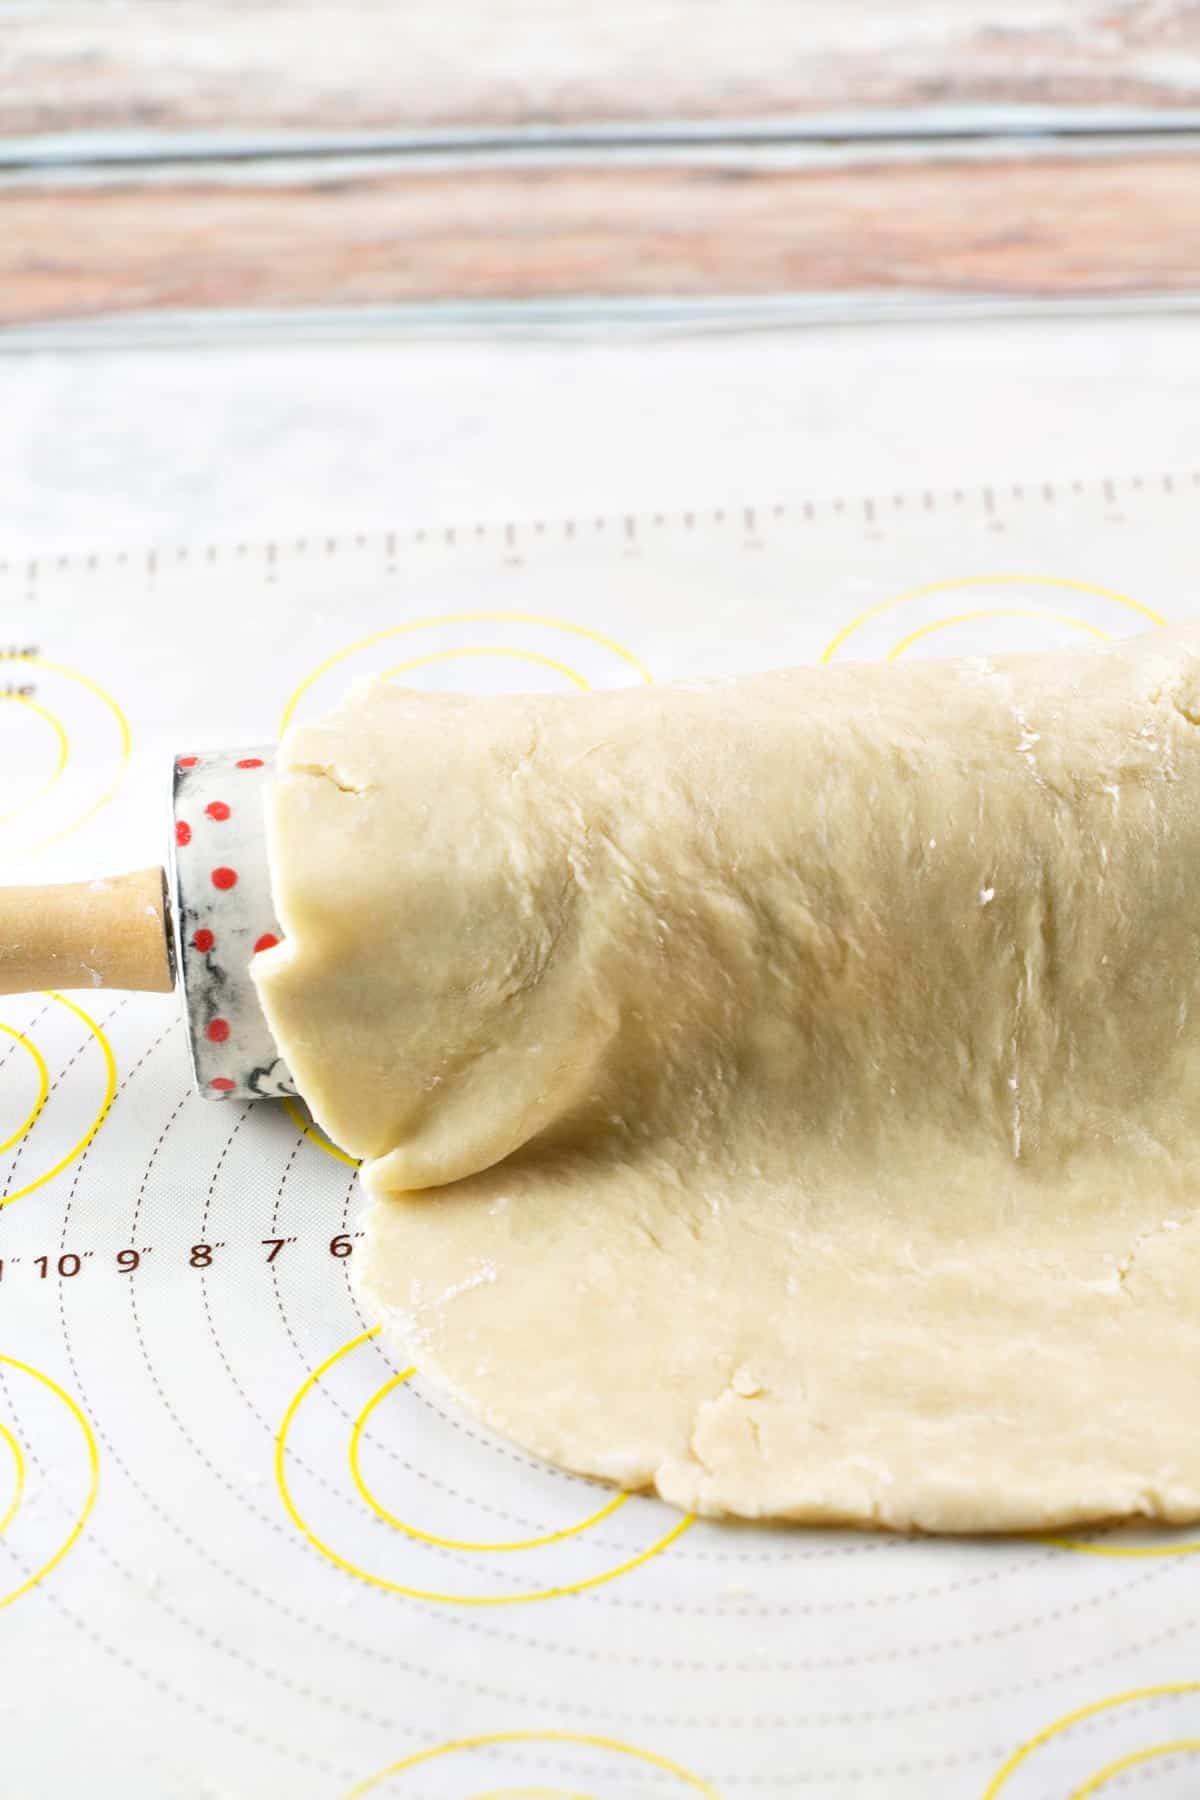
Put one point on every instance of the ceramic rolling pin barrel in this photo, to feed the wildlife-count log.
(200, 920)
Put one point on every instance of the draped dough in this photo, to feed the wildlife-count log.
(780, 1092)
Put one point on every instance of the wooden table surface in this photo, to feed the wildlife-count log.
(245, 154)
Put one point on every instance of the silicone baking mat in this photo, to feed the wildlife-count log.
(242, 1552)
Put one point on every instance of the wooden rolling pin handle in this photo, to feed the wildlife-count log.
(87, 934)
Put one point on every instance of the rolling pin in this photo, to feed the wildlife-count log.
(195, 922)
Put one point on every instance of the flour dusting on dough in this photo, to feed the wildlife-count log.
(782, 1093)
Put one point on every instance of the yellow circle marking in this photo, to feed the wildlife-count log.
(1075, 1718)
(1122, 1550)
(533, 656)
(19, 1468)
(1065, 582)
(995, 612)
(534, 1793)
(43, 1074)
(413, 1593)
(491, 1738)
(463, 618)
(41, 662)
(317, 1137)
(427, 1537)
(89, 1439)
(64, 750)
(110, 1088)
(1106, 1774)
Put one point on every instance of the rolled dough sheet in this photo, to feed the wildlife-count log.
(783, 1092)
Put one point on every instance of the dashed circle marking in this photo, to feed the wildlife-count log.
(1180, 1747)
(18, 1457)
(93, 1456)
(43, 1075)
(555, 1739)
(1055, 1730)
(414, 1593)
(110, 1088)
(64, 751)
(429, 1537)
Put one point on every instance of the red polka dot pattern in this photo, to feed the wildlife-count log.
(186, 762)
(183, 832)
(226, 917)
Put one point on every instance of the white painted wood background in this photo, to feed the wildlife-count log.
(243, 154)
(272, 218)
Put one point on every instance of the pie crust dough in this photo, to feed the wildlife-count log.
(781, 1092)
